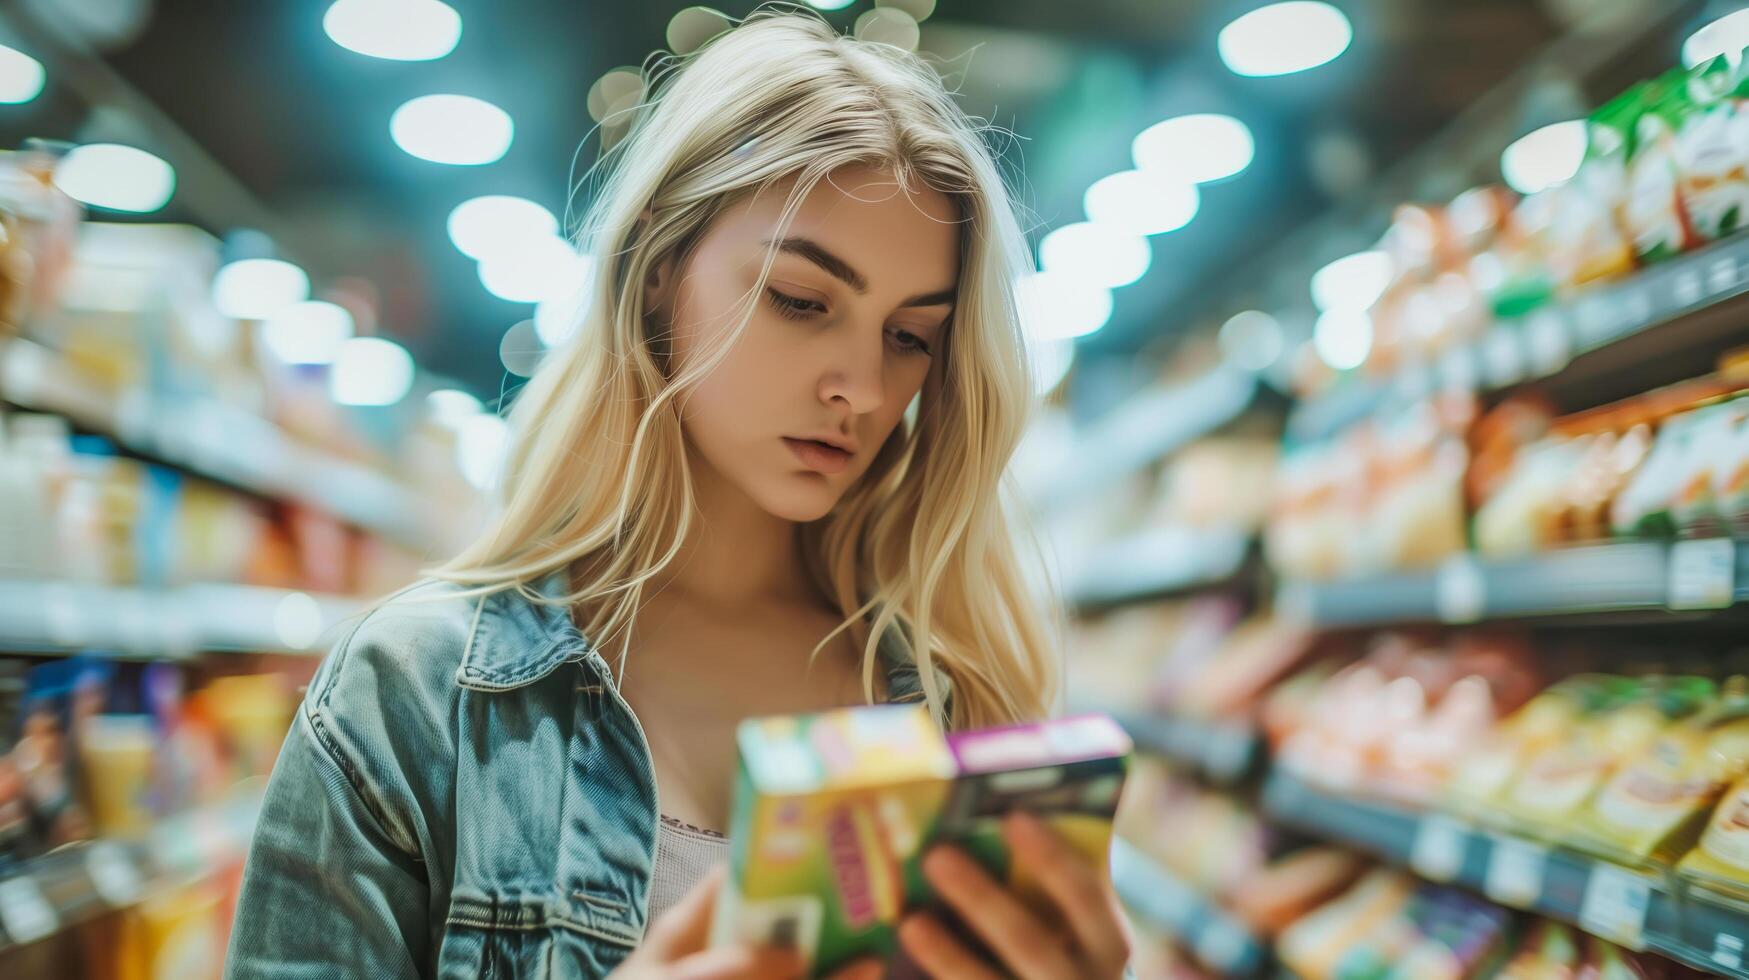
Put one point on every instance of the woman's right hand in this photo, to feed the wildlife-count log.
(675, 948)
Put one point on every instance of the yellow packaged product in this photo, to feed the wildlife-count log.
(1653, 807)
(1482, 776)
(1313, 946)
(1720, 861)
(1557, 783)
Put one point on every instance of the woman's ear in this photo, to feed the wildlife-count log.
(657, 285)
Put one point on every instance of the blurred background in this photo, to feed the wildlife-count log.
(1392, 448)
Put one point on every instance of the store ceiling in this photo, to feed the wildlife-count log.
(302, 125)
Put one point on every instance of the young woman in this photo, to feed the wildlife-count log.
(762, 477)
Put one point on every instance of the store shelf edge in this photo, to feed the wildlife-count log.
(66, 617)
(1678, 927)
(1543, 343)
(213, 440)
(1220, 941)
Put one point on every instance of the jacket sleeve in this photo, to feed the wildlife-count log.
(325, 893)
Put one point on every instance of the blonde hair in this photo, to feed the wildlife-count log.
(596, 480)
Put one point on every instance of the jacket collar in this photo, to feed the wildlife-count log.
(515, 641)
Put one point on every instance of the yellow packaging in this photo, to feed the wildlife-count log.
(1480, 781)
(1721, 859)
(1654, 806)
(175, 934)
(1557, 783)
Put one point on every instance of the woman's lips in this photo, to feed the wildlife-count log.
(817, 455)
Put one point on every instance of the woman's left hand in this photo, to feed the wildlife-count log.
(1087, 937)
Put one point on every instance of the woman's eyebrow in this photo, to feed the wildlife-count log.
(843, 271)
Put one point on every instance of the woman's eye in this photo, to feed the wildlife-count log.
(793, 307)
(910, 343)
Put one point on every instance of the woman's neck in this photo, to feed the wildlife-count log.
(737, 554)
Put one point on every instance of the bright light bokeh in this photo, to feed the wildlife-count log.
(556, 319)
(1284, 38)
(1728, 35)
(496, 222)
(536, 270)
(395, 30)
(371, 371)
(1353, 282)
(1095, 253)
(116, 177)
(1252, 340)
(21, 76)
(1050, 361)
(297, 621)
(1202, 147)
(1343, 338)
(520, 349)
(255, 289)
(1545, 157)
(481, 443)
(459, 130)
(1055, 306)
(1142, 202)
(307, 333)
(450, 407)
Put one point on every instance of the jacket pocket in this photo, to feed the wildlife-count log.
(502, 941)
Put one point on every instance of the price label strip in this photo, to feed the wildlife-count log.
(1615, 905)
(1440, 844)
(1515, 872)
(1460, 592)
(1728, 951)
(24, 913)
(1703, 574)
(113, 874)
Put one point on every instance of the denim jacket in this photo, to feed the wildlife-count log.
(463, 793)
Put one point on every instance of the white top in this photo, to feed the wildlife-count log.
(684, 854)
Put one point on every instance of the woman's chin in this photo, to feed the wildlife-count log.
(807, 497)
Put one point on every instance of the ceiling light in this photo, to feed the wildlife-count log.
(1201, 147)
(1098, 254)
(1284, 38)
(1142, 202)
(1343, 338)
(535, 270)
(119, 178)
(1728, 35)
(480, 447)
(254, 289)
(1545, 157)
(484, 225)
(1055, 306)
(1353, 282)
(371, 371)
(1251, 340)
(21, 76)
(454, 129)
(307, 333)
(398, 30)
(450, 406)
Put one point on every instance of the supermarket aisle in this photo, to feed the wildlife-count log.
(1392, 444)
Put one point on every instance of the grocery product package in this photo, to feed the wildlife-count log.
(833, 813)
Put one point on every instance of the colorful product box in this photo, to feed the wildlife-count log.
(834, 812)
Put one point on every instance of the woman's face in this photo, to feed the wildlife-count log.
(842, 337)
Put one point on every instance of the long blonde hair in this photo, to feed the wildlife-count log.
(596, 480)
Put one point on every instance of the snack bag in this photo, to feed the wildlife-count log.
(1588, 216)
(1721, 860)
(1553, 787)
(834, 811)
(1483, 775)
(1654, 806)
(1654, 215)
(1712, 149)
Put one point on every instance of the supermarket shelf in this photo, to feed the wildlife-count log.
(80, 882)
(1637, 910)
(1656, 300)
(1687, 576)
(215, 440)
(1224, 751)
(1221, 942)
(1156, 562)
(56, 617)
(1143, 429)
